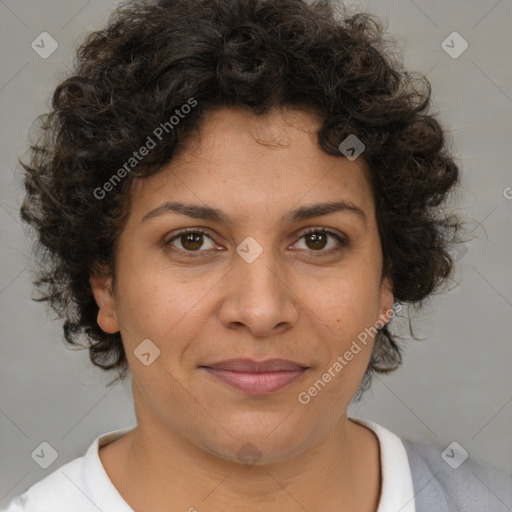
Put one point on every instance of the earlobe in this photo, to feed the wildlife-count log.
(101, 285)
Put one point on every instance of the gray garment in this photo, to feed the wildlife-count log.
(471, 487)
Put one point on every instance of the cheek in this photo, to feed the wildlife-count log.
(348, 306)
(160, 305)
(160, 311)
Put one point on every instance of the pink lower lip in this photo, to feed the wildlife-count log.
(253, 383)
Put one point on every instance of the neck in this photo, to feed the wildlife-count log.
(155, 468)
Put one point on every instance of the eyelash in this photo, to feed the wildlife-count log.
(343, 242)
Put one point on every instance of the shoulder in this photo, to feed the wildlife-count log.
(62, 490)
(57, 492)
(79, 485)
(449, 479)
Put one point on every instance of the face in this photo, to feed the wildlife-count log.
(258, 275)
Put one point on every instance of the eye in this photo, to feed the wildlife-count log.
(317, 239)
(190, 240)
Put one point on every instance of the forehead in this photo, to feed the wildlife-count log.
(265, 164)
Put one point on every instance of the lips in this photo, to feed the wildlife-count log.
(256, 377)
(248, 365)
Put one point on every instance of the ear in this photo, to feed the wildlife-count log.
(386, 301)
(101, 284)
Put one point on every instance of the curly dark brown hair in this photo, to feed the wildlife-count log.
(154, 57)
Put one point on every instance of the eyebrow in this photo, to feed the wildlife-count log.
(216, 215)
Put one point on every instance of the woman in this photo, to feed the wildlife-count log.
(234, 194)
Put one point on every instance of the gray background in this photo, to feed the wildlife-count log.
(455, 384)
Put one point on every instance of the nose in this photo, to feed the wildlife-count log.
(259, 297)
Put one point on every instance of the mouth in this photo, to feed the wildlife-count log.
(256, 378)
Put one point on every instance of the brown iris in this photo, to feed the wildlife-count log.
(318, 239)
(195, 241)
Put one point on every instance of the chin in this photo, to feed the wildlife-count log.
(258, 446)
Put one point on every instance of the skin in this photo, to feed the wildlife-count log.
(298, 300)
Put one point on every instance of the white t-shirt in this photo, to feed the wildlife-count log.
(82, 485)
